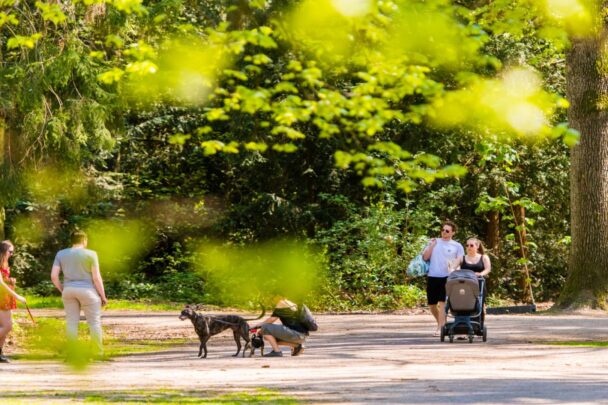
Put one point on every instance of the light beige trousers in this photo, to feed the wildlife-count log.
(87, 299)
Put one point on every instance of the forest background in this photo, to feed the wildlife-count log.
(215, 150)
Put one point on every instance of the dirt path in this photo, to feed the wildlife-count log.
(361, 359)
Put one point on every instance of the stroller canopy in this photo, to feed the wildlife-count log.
(462, 289)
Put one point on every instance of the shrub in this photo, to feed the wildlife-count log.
(409, 296)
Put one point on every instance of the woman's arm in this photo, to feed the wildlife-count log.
(11, 292)
(98, 282)
(487, 266)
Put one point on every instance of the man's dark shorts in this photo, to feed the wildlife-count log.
(435, 289)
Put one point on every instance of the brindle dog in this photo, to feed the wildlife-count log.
(209, 325)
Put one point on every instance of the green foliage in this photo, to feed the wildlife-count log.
(51, 12)
(409, 296)
(23, 41)
(255, 120)
(127, 288)
(185, 287)
(35, 299)
(367, 255)
(240, 276)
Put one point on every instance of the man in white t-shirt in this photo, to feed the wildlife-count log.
(444, 254)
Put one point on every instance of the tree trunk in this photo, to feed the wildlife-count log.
(237, 14)
(493, 241)
(493, 231)
(525, 280)
(587, 90)
(493, 227)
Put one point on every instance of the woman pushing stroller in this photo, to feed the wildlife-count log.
(475, 258)
(466, 293)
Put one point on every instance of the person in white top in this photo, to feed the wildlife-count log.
(445, 255)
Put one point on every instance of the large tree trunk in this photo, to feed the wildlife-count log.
(587, 90)
(493, 232)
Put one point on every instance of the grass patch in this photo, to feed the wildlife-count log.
(54, 302)
(120, 347)
(580, 343)
(38, 302)
(46, 341)
(169, 397)
(113, 347)
(144, 305)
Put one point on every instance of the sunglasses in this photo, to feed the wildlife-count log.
(471, 245)
(446, 230)
(11, 251)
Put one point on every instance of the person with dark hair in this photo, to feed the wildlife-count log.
(289, 333)
(82, 287)
(444, 255)
(8, 297)
(78, 238)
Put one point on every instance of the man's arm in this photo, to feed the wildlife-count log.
(271, 319)
(98, 282)
(55, 277)
(428, 251)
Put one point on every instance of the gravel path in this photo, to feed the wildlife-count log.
(359, 359)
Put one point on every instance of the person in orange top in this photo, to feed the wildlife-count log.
(8, 297)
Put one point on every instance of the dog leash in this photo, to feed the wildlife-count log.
(30, 314)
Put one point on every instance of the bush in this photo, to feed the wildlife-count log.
(187, 287)
(368, 253)
(131, 289)
(42, 289)
(409, 296)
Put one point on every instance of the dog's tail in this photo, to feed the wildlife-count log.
(261, 315)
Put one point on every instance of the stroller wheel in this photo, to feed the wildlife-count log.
(470, 338)
(485, 334)
(442, 335)
(451, 338)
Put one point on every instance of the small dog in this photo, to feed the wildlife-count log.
(209, 325)
(256, 342)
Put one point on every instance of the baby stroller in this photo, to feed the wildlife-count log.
(464, 303)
